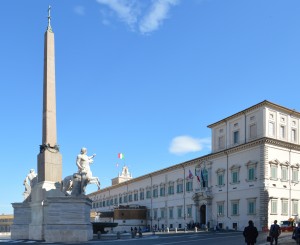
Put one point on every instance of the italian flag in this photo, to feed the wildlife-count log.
(121, 155)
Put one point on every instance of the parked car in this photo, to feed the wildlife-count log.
(287, 225)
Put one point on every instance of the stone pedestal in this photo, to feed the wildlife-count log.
(22, 219)
(67, 219)
(53, 217)
(62, 219)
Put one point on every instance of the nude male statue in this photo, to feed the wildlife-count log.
(83, 162)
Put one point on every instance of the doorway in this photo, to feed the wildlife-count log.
(203, 215)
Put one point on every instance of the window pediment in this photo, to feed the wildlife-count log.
(251, 163)
(235, 167)
(274, 162)
(220, 170)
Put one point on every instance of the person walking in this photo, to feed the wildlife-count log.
(296, 234)
(250, 233)
(274, 233)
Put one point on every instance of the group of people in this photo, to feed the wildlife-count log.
(250, 233)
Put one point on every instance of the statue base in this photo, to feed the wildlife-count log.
(53, 218)
(22, 219)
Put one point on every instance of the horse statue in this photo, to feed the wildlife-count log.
(68, 183)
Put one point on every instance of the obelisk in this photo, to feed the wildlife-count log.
(49, 159)
(50, 215)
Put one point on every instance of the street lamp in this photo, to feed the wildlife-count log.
(158, 219)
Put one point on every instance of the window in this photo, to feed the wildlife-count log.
(294, 174)
(284, 173)
(155, 191)
(284, 207)
(236, 137)
(142, 195)
(125, 198)
(189, 185)
(171, 188)
(273, 206)
(179, 212)
(251, 171)
(220, 208)
(253, 131)
(220, 179)
(189, 211)
(171, 213)
(130, 197)
(116, 201)
(135, 196)
(120, 199)
(235, 177)
(220, 176)
(180, 186)
(271, 129)
(295, 207)
(251, 174)
(235, 207)
(251, 206)
(282, 131)
(162, 190)
(111, 201)
(221, 142)
(148, 193)
(294, 135)
(162, 213)
(273, 169)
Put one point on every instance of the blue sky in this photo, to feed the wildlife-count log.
(141, 77)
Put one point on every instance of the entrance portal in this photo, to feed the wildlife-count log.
(203, 215)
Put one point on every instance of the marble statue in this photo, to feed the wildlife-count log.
(75, 184)
(29, 182)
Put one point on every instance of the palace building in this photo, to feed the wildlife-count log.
(251, 173)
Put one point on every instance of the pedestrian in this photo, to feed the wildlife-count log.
(296, 234)
(250, 233)
(274, 233)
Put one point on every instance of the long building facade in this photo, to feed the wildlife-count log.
(251, 173)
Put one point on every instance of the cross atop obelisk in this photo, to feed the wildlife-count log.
(49, 159)
(49, 19)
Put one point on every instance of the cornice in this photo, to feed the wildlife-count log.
(195, 161)
(259, 105)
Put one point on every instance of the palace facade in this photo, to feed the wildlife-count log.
(251, 173)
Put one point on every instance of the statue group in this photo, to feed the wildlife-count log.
(74, 184)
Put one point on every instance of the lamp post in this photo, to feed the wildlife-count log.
(158, 219)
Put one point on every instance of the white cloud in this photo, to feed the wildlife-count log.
(145, 16)
(158, 12)
(181, 145)
(126, 10)
(80, 10)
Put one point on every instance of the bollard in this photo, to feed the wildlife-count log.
(176, 230)
(196, 230)
(99, 234)
(118, 235)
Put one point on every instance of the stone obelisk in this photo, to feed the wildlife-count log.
(49, 159)
(49, 214)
